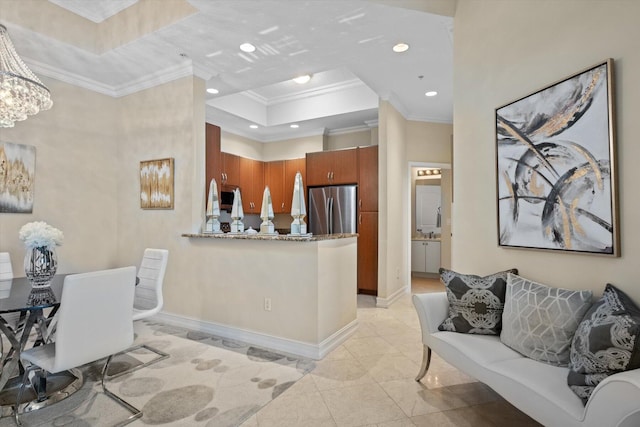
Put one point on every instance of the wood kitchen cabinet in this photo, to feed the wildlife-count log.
(251, 184)
(230, 169)
(274, 178)
(212, 156)
(332, 167)
(368, 220)
(291, 167)
(368, 253)
(279, 176)
(368, 178)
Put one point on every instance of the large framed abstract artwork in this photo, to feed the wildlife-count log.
(556, 168)
(156, 184)
(17, 177)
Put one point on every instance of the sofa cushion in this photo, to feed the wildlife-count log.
(606, 341)
(539, 321)
(475, 303)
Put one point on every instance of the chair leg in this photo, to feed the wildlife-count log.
(25, 381)
(161, 356)
(426, 361)
(135, 413)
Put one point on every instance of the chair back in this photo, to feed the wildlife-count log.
(6, 273)
(94, 319)
(148, 297)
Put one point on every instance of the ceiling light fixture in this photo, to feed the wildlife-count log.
(302, 79)
(294, 126)
(247, 47)
(253, 126)
(213, 90)
(431, 93)
(400, 47)
(22, 94)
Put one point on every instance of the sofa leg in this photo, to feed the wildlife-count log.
(426, 360)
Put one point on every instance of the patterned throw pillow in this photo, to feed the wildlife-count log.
(539, 321)
(606, 342)
(475, 303)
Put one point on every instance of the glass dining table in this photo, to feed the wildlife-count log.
(35, 308)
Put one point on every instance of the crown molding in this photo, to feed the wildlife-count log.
(351, 129)
(322, 90)
(167, 75)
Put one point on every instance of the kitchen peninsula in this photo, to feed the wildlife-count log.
(293, 294)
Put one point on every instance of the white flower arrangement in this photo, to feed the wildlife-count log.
(39, 233)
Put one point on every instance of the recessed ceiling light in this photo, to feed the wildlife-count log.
(302, 79)
(253, 126)
(431, 93)
(247, 47)
(213, 90)
(401, 47)
(295, 126)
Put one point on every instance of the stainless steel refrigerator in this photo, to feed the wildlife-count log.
(332, 209)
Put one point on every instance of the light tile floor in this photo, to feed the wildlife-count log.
(369, 381)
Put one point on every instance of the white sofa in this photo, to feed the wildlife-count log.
(537, 389)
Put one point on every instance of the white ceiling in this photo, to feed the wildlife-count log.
(344, 44)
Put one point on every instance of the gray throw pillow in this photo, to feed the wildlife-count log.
(475, 303)
(605, 342)
(539, 321)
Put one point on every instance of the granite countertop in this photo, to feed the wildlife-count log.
(279, 237)
(425, 238)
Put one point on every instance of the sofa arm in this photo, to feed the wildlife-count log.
(432, 309)
(615, 401)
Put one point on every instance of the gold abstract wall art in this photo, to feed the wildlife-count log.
(17, 176)
(156, 184)
(556, 168)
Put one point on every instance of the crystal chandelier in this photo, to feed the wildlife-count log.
(22, 94)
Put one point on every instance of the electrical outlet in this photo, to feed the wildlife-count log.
(267, 304)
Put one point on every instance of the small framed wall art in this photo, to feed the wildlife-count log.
(556, 167)
(156, 184)
(17, 177)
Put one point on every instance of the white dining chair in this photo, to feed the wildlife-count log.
(6, 272)
(6, 275)
(94, 322)
(148, 299)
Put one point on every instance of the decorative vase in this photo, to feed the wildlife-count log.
(40, 265)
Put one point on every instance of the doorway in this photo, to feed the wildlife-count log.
(429, 240)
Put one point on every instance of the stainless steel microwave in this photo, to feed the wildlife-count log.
(226, 197)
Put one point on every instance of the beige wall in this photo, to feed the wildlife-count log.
(75, 183)
(393, 227)
(348, 140)
(295, 148)
(527, 45)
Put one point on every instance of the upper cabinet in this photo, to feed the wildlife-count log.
(212, 156)
(251, 184)
(230, 169)
(332, 167)
(368, 178)
(279, 176)
(291, 167)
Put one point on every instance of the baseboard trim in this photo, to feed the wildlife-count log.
(386, 302)
(284, 345)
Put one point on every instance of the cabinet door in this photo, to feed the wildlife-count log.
(368, 178)
(344, 168)
(318, 168)
(251, 184)
(418, 260)
(291, 167)
(231, 169)
(212, 157)
(432, 257)
(368, 253)
(274, 178)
